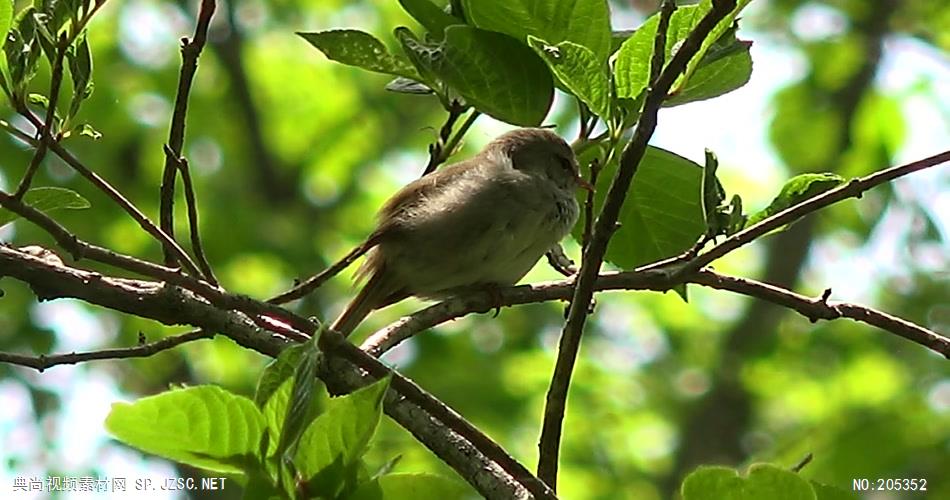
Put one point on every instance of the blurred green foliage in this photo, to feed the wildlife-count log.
(291, 154)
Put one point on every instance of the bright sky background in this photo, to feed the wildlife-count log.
(733, 126)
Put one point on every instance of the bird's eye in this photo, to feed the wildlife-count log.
(566, 163)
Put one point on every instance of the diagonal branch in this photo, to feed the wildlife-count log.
(851, 189)
(661, 82)
(316, 281)
(477, 459)
(121, 200)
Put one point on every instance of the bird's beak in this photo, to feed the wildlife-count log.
(583, 183)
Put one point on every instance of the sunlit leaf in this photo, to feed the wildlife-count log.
(328, 453)
(6, 19)
(632, 66)
(662, 215)
(87, 130)
(579, 70)
(584, 22)
(516, 88)
(360, 49)
(763, 481)
(796, 190)
(715, 78)
(430, 16)
(203, 426)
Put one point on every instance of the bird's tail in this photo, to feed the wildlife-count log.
(371, 296)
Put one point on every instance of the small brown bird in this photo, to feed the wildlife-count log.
(481, 222)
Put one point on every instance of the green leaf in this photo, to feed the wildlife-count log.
(632, 66)
(38, 100)
(80, 67)
(277, 371)
(43, 36)
(725, 26)
(6, 20)
(430, 16)
(422, 485)
(46, 199)
(6, 15)
(715, 78)
(203, 426)
(22, 50)
(329, 451)
(300, 409)
(618, 37)
(580, 72)
(516, 88)
(662, 215)
(764, 481)
(584, 22)
(360, 49)
(796, 190)
(87, 130)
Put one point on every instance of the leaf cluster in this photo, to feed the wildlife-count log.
(281, 444)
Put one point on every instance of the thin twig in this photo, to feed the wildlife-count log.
(190, 50)
(192, 204)
(589, 204)
(661, 82)
(820, 308)
(453, 143)
(851, 189)
(437, 149)
(131, 209)
(587, 121)
(45, 131)
(802, 463)
(317, 280)
(42, 362)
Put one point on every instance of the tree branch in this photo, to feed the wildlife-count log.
(190, 51)
(316, 281)
(192, 203)
(45, 130)
(479, 460)
(661, 82)
(820, 308)
(121, 200)
(42, 362)
(438, 152)
(851, 189)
